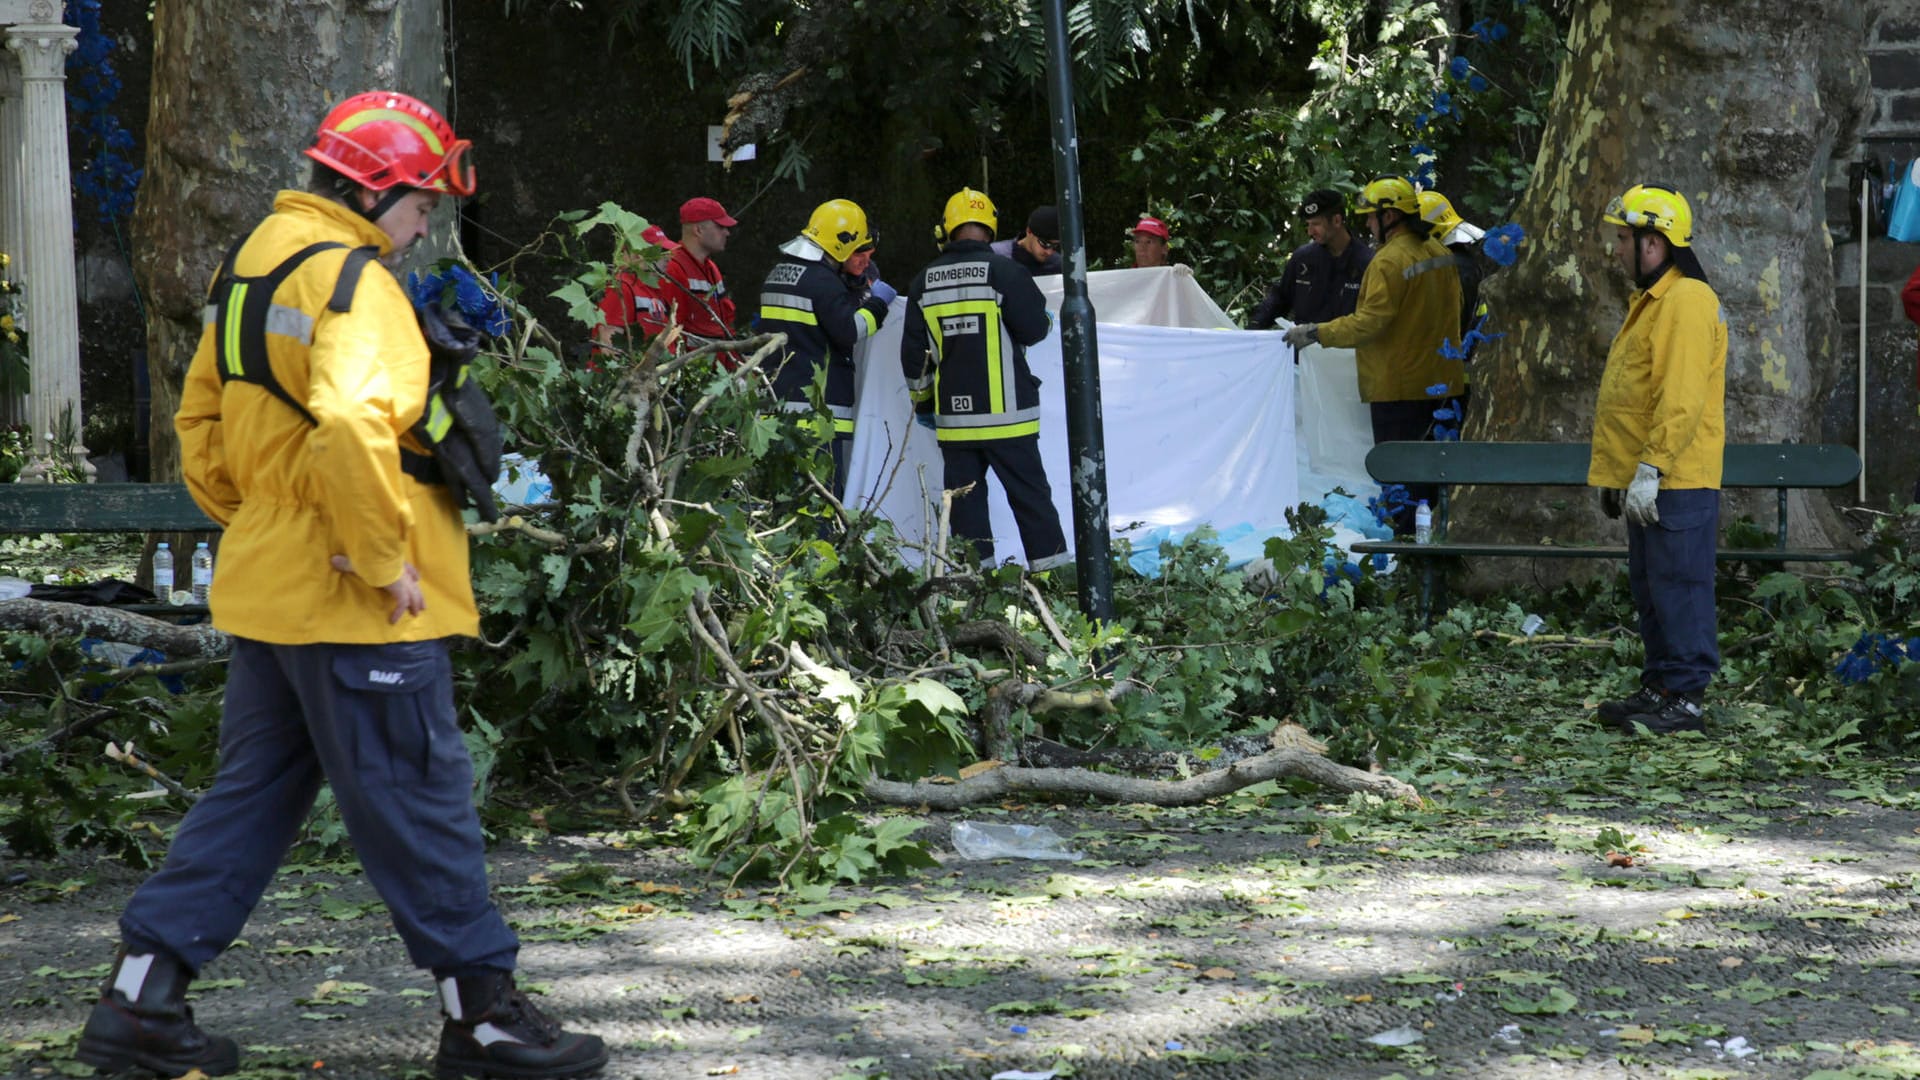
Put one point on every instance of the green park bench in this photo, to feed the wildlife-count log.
(33, 509)
(1781, 466)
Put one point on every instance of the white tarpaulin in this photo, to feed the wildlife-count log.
(1199, 420)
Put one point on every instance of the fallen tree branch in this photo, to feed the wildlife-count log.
(999, 634)
(999, 783)
(50, 618)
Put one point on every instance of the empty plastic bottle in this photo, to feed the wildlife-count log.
(1422, 523)
(202, 571)
(163, 572)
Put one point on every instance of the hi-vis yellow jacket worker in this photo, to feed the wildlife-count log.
(362, 374)
(1663, 395)
(1409, 303)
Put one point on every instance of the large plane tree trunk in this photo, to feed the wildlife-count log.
(237, 92)
(1739, 104)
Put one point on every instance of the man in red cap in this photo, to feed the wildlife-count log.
(634, 309)
(690, 283)
(1150, 237)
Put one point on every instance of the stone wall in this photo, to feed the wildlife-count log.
(1891, 138)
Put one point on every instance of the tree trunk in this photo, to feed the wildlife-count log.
(1739, 105)
(238, 90)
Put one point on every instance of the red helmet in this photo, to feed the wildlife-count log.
(381, 138)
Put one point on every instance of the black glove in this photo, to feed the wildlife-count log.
(1611, 501)
(873, 306)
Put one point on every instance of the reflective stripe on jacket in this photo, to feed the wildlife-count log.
(291, 495)
(1409, 303)
(810, 301)
(970, 316)
(1663, 395)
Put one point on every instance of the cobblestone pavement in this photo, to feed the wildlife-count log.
(1230, 942)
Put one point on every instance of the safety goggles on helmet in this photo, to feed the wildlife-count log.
(1663, 210)
(1388, 193)
(382, 139)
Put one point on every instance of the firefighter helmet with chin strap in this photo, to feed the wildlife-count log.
(383, 139)
(1388, 193)
(967, 207)
(1645, 206)
(839, 226)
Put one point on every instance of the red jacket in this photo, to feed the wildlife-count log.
(696, 294)
(1910, 299)
(632, 304)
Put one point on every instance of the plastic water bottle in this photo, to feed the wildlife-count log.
(1422, 523)
(163, 572)
(202, 571)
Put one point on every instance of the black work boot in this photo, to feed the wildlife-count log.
(1676, 712)
(143, 1020)
(492, 1030)
(1646, 699)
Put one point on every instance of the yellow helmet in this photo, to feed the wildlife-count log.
(968, 207)
(1435, 210)
(1661, 209)
(839, 226)
(1388, 193)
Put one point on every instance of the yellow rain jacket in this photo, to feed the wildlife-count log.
(1663, 395)
(1409, 303)
(292, 494)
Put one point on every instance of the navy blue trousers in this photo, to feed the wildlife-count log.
(1670, 571)
(376, 722)
(1016, 462)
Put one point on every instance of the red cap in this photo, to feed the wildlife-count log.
(1152, 226)
(705, 209)
(657, 236)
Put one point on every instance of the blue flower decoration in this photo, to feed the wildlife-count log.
(1391, 500)
(1459, 68)
(1490, 30)
(1502, 243)
(1873, 652)
(479, 305)
(1476, 83)
(1437, 390)
(1443, 104)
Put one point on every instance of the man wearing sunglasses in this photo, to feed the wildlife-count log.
(342, 574)
(1037, 250)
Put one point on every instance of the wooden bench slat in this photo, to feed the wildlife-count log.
(94, 508)
(1542, 464)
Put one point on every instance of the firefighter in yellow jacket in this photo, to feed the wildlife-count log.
(342, 573)
(1659, 434)
(1409, 306)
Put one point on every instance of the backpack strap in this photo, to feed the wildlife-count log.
(357, 260)
(244, 311)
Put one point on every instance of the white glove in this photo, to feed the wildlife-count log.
(1643, 495)
(1300, 334)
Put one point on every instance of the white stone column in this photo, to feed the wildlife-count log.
(13, 210)
(53, 317)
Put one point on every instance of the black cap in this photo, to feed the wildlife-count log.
(1044, 223)
(1324, 201)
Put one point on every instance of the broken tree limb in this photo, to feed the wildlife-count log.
(1008, 780)
(51, 618)
(994, 632)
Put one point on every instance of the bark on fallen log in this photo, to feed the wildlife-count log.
(53, 619)
(1008, 780)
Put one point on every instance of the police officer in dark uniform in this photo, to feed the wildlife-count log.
(971, 379)
(807, 297)
(1322, 279)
